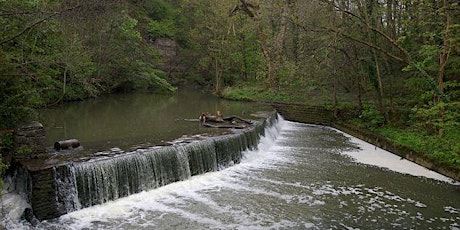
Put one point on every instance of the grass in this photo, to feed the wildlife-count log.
(444, 149)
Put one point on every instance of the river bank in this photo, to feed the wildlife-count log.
(345, 121)
(301, 176)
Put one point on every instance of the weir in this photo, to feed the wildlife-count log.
(68, 186)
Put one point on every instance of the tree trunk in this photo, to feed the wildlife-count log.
(443, 58)
(445, 52)
(380, 94)
(218, 73)
(252, 11)
(263, 46)
(335, 88)
(280, 39)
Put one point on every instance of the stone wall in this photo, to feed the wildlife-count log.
(43, 194)
(305, 114)
(46, 186)
(30, 138)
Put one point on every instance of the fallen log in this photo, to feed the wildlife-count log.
(213, 118)
(65, 144)
(234, 119)
(224, 126)
(218, 121)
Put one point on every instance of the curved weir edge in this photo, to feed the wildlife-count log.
(58, 190)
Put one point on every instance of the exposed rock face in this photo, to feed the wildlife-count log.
(32, 136)
(168, 49)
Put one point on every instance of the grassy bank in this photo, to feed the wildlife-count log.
(443, 149)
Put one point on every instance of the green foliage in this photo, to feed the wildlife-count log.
(23, 151)
(74, 54)
(444, 149)
(161, 29)
(372, 117)
(255, 93)
(437, 116)
(159, 9)
(239, 94)
(7, 142)
(14, 115)
(286, 73)
(162, 18)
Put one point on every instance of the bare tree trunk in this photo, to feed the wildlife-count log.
(443, 58)
(280, 39)
(218, 73)
(358, 83)
(445, 52)
(264, 47)
(380, 94)
(252, 11)
(335, 88)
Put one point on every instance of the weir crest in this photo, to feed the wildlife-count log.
(57, 190)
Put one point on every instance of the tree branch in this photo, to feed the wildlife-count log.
(407, 60)
(37, 23)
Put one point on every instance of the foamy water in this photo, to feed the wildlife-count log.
(372, 155)
(299, 178)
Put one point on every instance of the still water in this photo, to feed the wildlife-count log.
(130, 121)
(300, 177)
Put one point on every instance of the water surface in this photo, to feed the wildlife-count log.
(301, 177)
(129, 121)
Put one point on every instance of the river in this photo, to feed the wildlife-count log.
(131, 121)
(300, 177)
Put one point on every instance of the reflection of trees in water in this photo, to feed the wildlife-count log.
(132, 119)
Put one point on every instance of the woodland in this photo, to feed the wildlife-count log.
(395, 63)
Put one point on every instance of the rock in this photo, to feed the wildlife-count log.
(31, 136)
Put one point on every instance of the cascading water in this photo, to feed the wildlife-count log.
(299, 177)
(84, 184)
(109, 179)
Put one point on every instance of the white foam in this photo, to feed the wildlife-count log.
(372, 155)
(178, 199)
(12, 208)
(169, 199)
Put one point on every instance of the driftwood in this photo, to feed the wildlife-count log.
(223, 126)
(234, 119)
(232, 122)
(65, 144)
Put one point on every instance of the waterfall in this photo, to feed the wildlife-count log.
(99, 180)
(109, 179)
